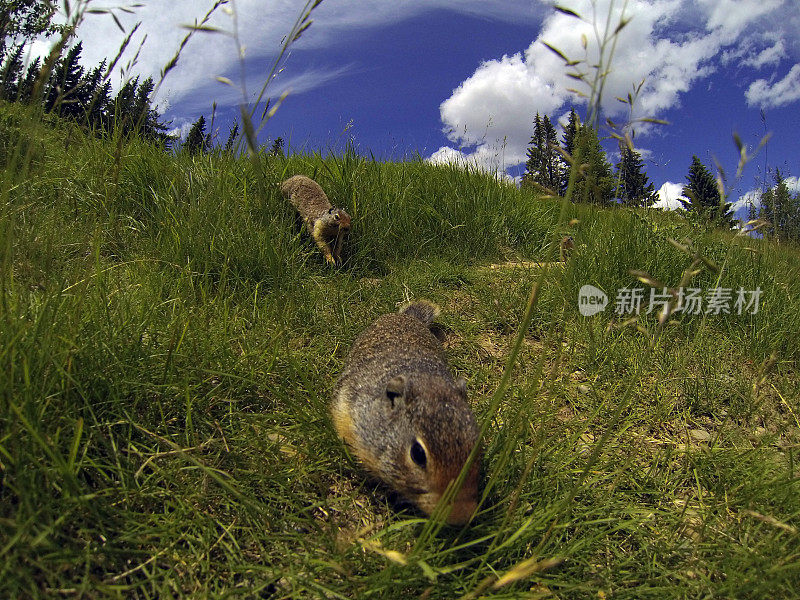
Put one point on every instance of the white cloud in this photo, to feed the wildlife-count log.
(768, 95)
(753, 197)
(35, 49)
(731, 17)
(262, 26)
(769, 56)
(182, 130)
(447, 156)
(487, 158)
(757, 51)
(202, 96)
(668, 44)
(668, 196)
(502, 96)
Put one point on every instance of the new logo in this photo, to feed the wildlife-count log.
(591, 300)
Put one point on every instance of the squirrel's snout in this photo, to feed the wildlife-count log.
(462, 511)
(464, 506)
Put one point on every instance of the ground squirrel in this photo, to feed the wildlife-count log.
(326, 224)
(397, 405)
(566, 247)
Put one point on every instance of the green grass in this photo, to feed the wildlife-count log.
(169, 340)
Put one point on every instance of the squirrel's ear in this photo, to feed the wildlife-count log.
(461, 386)
(395, 388)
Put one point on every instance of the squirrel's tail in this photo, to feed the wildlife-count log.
(421, 309)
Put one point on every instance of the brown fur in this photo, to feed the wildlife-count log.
(327, 225)
(396, 391)
(566, 247)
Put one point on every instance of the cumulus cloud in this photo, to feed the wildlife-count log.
(747, 200)
(499, 98)
(487, 158)
(780, 93)
(661, 46)
(669, 196)
(447, 156)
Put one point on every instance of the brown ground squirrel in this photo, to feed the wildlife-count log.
(326, 224)
(566, 247)
(397, 405)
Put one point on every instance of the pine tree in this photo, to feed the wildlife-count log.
(793, 220)
(27, 84)
(277, 147)
(704, 200)
(781, 210)
(544, 166)
(88, 87)
(11, 75)
(570, 132)
(534, 164)
(232, 135)
(634, 187)
(782, 202)
(141, 102)
(95, 96)
(64, 86)
(121, 115)
(197, 140)
(766, 211)
(595, 183)
(145, 118)
(553, 164)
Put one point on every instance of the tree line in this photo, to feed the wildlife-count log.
(67, 89)
(84, 96)
(70, 91)
(780, 209)
(198, 141)
(548, 169)
(548, 166)
(64, 87)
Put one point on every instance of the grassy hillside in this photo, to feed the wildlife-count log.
(169, 341)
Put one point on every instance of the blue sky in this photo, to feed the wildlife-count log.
(463, 79)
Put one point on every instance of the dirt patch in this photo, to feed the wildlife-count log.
(522, 265)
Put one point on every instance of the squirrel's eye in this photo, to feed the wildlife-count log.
(418, 454)
(336, 217)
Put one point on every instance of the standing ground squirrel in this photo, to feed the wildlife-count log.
(397, 405)
(566, 247)
(326, 224)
